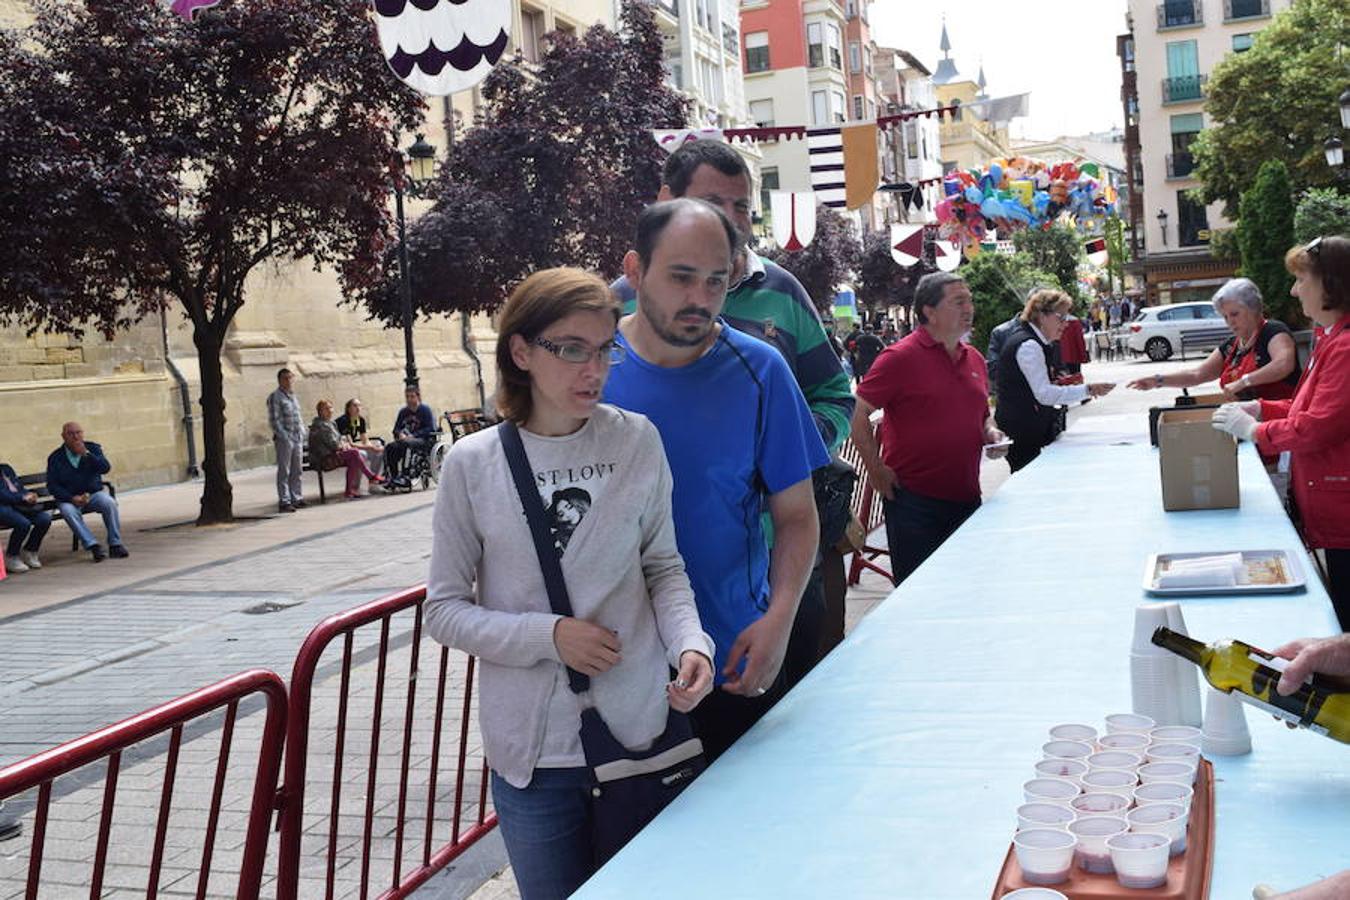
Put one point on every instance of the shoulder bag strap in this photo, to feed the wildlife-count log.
(543, 540)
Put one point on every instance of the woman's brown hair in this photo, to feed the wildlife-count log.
(538, 302)
(1044, 302)
(1327, 258)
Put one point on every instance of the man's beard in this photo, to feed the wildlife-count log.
(668, 332)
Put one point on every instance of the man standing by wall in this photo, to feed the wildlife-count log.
(288, 435)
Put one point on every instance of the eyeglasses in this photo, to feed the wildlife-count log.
(1063, 317)
(1314, 249)
(610, 353)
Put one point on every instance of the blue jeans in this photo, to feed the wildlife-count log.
(547, 831)
(30, 525)
(917, 525)
(101, 503)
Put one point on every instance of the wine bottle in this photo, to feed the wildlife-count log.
(1320, 704)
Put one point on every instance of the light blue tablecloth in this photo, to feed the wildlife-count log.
(894, 769)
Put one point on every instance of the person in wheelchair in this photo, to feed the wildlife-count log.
(414, 437)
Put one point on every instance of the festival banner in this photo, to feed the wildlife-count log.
(794, 218)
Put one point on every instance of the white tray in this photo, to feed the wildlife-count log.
(1293, 569)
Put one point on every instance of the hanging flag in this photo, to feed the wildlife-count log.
(794, 218)
(947, 254)
(1096, 251)
(439, 47)
(188, 8)
(825, 148)
(861, 174)
(672, 139)
(907, 244)
(1000, 110)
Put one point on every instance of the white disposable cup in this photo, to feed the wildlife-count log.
(1129, 741)
(1050, 790)
(1045, 854)
(1067, 750)
(1175, 734)
(1172, 752)
(1140, 858)
(1115, 759)
(1178, 772)
(1118, 722)
(1099, 803)
(1036, 893)
(1072, 731)
(1111, 781)
(1068, 769)
(1163, 792)
(1164, 818)
(1044, 815)
(1091, 854)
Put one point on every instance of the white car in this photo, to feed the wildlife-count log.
(1158, 330)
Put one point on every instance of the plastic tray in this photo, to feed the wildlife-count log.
(1295, 580)
(1188, 875)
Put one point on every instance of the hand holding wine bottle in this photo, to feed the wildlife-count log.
(1325, 656)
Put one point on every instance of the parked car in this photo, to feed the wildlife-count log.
(1158, 330)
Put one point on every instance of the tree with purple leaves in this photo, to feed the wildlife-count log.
(151, 160)
(554, 172)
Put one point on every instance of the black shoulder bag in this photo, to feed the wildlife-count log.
(628, 788)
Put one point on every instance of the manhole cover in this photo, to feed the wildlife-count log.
(270, 606)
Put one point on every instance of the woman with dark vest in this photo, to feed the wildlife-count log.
(1027, 396)
(1259, 362)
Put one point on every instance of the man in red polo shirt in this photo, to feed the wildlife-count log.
(934, 392)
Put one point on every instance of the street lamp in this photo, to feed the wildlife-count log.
(418, 167)
(1335, 151)
(1162, 222)
(1345, 109)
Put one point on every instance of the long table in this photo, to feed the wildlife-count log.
(895, 768)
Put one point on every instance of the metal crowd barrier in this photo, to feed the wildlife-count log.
(867, 508)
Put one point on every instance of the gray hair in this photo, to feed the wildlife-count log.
(932, 288)
(1239, 290)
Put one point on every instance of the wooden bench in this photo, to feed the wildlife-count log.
(1206, 339)
(37, 483)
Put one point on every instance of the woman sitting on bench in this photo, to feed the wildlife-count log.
(328, 450)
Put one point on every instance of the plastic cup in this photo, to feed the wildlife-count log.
(1044, 815)
(1173, 753)
(1164, 818)
(1068, 769)
(1140, 858)
(1072, 731)
(1129, 741)
(1034, 894)
(1091, 854)
(1132, 722)
(1067, 750)
(1175, 734)
(1115, 759)
(1111, 781)
(1177, 772)
(1225, 732)
(1045, 854)
(1163, 792)
(1099, 803)
(1050, 790)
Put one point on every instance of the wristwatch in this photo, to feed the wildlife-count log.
(1158, 380)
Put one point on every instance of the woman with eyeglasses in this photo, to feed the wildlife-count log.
(1314, 426)
(602, 476)
(1027, 397)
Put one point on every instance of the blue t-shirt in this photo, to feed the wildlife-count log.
(736, 428)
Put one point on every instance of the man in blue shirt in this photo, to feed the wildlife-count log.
(737, 432)
(74, 478)
(414, 430)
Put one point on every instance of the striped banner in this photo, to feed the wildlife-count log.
(826, 149)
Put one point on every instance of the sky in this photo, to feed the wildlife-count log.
(1063, 52)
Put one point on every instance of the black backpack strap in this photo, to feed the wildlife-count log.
(539, 530)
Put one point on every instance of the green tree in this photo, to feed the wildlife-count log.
(1265, 232)
(1057, 250)
(1118, 250)
(1321, 211)
(1000, 284)
(830, 259)
(1277, 101)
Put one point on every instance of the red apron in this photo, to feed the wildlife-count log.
(1236, 365)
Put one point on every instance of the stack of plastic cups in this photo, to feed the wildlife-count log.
(1153, 672)
(1188, 675)
(1225, 732)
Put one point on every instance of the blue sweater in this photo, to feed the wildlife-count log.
(8, 497)
(64, 481)
(421, 422)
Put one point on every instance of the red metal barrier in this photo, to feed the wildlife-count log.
(291, 798)
(867, 508)
(43, 769)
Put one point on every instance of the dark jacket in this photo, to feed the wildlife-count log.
(349, 427)
(324, 442)
(1018, 414)
(8, 497)
(64, 481)
(422, 422)
(997, 339)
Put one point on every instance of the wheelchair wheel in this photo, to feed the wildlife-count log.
(437, 458)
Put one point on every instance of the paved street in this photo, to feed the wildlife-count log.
(83, 660)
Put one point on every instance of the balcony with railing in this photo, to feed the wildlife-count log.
(1245, 9)
(1180, 14)
(1184, 88)
(669, 7)
(1180, 165)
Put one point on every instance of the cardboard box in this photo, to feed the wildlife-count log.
(1210, 399)
(1199, 465)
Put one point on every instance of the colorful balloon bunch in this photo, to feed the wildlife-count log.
(1012, 194)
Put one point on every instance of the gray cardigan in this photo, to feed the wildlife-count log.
(486, 594)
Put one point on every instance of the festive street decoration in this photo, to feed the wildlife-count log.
(862, 174)
(794, 218)
(907, 244)
(1096, 251)
(947, 254)
(439, 47)
(672, 139)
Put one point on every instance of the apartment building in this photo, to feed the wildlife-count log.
(914, 148)
(1166, 59)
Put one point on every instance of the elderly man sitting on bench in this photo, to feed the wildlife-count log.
(74, 477)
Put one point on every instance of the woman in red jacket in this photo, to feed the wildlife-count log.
(1315, 425)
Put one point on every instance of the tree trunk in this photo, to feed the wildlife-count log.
(217, 494)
